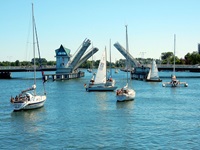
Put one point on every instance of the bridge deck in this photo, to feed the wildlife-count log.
(190, 68)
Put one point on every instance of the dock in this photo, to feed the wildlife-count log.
(64, 76)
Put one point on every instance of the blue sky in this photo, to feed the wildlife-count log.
(151, 26)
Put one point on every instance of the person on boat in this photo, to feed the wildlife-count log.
(85, 85)
(119, 92)
(16, 98)
(174, 81)
(12, 100)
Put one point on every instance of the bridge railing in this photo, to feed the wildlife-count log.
(177, 66)
(23, 67)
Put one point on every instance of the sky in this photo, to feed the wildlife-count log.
(151, 26)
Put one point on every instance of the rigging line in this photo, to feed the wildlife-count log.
(40, 60)
(34, 49)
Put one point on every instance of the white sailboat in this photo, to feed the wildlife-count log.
(89, 70)
(125, 93)
(174, 82)
(100, 81)
(28, 99)
(153, 73)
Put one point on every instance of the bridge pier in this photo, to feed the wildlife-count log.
(140, 73)
(64, 76)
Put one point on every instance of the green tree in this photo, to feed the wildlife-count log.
(17, 63)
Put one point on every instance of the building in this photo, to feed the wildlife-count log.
(62, 60)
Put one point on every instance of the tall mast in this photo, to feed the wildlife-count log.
(92, 58)
(34, 48)
(110, 60)
(106, 61)
(174, 52)
(127, 65)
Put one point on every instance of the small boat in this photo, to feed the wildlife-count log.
(28, 99)
(125, 93)
(174, 82)
(153, 73)
(99, 81)
(89, 70)
(116, 71)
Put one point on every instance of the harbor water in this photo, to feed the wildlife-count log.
(158, 118)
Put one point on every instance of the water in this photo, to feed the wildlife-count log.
(159, 117)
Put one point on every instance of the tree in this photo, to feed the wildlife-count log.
(17, 63)
(166, 55)
(193, 58)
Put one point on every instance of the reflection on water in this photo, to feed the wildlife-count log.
(27, 120)
(101, 95)
(125, 105)
(101, 98)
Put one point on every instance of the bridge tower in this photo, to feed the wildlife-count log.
(62, 59)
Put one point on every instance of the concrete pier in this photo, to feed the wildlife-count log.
(64, 76)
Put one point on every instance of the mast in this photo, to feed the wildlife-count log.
(174, 52)
(110, 60)
(40, 60)
(92, 59)
(106, 62)
(34, 48)
(127, 51)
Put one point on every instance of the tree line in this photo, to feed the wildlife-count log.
(166, 58)
(189, 59)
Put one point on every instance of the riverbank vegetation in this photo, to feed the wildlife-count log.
(166, 58)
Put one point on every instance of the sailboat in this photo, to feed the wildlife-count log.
(100, 82)
(28, 99)
(174, 82)
(153, 73)
(89, 70)
(125, 93)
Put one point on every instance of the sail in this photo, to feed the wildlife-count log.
(149, 75)
(101, 72)
(154, 70)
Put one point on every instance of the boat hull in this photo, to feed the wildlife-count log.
(34, 103)
(101, 88)
(174, 85)
(153, 80)
(126, 96)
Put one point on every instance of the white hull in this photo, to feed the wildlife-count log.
(89, 70)
(170, 84)
(130, 95)
(33, 103)
(101, 88)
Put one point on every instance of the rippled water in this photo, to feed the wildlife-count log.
(159, 117)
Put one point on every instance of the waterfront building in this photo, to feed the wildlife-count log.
(63, 60)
